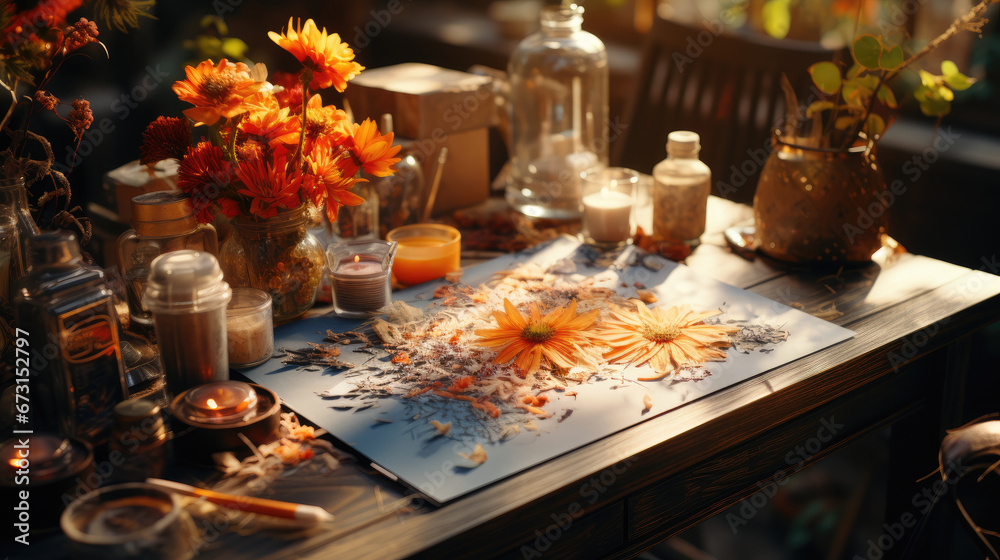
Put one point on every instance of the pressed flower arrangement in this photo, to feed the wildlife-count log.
(268, 151)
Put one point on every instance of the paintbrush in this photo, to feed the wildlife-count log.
(273, 508)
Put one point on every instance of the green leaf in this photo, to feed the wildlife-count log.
(826, 76)
(948, 68)
(818, 106)
(927, 79)
(958, 81)
(234, 48)
(857, 92)
(867, 51)
(845, 122)
(891, 58)
(875, 126)
(854, 71)
(777, 18)
(886, 96)
(935, 107)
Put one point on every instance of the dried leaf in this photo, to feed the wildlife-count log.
(478, 455)
(443, 428)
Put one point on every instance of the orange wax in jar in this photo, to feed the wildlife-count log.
(426, 252)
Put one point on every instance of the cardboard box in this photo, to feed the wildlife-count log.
(431, 108)
(424, 100)
(134, 179)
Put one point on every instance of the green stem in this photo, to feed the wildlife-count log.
(300, 156)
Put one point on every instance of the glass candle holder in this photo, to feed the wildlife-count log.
(608, 206)
(426, 252)
(249, 328)
(130, 520)
(360, 276)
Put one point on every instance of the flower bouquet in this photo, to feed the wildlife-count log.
(269, 150)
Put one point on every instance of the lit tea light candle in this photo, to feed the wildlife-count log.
(426, 252)
(608, 202)
(221, 402)
(360, 276)
(607, 216)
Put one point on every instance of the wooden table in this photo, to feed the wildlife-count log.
(620, 495)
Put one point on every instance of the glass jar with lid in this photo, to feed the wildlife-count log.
(162, 222)
(559, 114)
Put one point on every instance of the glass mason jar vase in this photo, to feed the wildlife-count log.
(816, 206)
(559, 114)
(277, 255)
(162, 222)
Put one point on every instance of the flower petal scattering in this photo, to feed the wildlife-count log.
(330, 61)
(667, 338)
(557, 337)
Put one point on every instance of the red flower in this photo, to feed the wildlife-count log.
(326, 183)
(291, 93)
(268, 188)
(204, 174)
(164, 138)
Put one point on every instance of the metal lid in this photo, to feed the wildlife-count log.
(162, 213)
(185, 282)
(53, 247)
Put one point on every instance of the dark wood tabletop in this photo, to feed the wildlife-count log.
(622, 494)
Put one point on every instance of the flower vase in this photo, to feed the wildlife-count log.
(16, 227)
(820, 207)
(278, 255)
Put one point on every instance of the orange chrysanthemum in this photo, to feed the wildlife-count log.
(558, 337)
(273, 126)
(668, 339)
(203, 174)
(267, 187)
(326, 121)
(326, 184)
(330, 60)
(370, 150)
(219, 91)
(164, 138)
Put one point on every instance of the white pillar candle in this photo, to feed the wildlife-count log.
(606, 216)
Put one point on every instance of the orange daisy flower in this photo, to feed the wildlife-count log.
(668, 339)
(217, 91)
(326, 121)
(557, 337)
(330, 60)
(274, 126)
(327, 184)
(268, 188)
(371, 151)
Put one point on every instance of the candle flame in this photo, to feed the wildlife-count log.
(357, 258)
(16, 463)
(212, 404)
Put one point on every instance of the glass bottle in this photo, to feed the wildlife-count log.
(65, 311)
(278, 255)
(162, 221)
(16, 227)
(559, 114)
(399, 195)
(680, 193)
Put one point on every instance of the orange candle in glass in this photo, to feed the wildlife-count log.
(426, 252)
